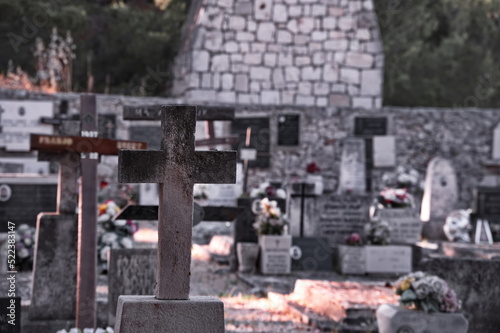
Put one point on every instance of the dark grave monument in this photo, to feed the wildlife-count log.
(487, 209)
(288, 130)
(176, 167)
(367, 128)
(311, 254)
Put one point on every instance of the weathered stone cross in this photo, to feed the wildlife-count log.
(177, 167)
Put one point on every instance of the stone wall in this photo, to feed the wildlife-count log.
(282, 52)
(464, 136)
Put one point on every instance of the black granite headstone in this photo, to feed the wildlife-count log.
(370, 126)
(288, 130)
(487, 207)
(311, 254)
(10, 315)
(260, 138)
(26, 202)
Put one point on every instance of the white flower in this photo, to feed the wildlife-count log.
(73, 330)
(62, 331)
(127, 243)
(254, 193)
(280, 193)
(104, 253)
(120, 223)
(23, 253)
(88, 330)
(109, 238)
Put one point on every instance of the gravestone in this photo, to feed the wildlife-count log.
(130, 272)
(405, 224)
(351, 259)
(288, 130)
(352, 167)
(486, 219)
(340, 216)
(440, 197)
(39, 191)
(19, 119)
(476, 283)
(388, 259)
(177, 166)
(384, 151)
(370, 126)
(311, 254)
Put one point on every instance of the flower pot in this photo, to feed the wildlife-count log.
(396, 319)
(247, 256)
(317, 180)
(275, 254)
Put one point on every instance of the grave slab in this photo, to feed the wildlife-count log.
(352, 167)
(139, 314)
(130, 272)
(54, 272)
(476, 282)
(395, 319)
(440, 197)
(405, 224)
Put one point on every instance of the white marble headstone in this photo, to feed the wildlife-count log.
(384, 151)
(352, 167)
(441, 190)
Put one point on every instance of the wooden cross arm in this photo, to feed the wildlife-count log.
(140, 166)
(214, 167)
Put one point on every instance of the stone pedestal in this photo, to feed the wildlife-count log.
(139, 314)
(352, 259)
(395, 319)
(275, 254)
(54, 269)
(388, 259)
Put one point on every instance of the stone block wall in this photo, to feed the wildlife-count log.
(282, 52)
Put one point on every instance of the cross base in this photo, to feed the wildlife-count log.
(199, 314)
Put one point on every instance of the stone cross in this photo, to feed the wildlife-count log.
(176, 167)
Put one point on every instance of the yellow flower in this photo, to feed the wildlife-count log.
(406, 284)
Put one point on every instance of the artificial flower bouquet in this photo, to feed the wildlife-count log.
(428, 293)
(267, 190)
(112, 234)
(377, 232)
(269, 220)
(395, 198)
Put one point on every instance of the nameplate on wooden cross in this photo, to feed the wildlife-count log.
(81, 144)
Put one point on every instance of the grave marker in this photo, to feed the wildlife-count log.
(288, 130)
(440, 196)
(405, 224)
(177, 167)
(341, 215)
(352, 167)
(384, 151)
(130, 272)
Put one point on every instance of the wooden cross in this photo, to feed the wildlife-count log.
(73, 153)
(176, 167)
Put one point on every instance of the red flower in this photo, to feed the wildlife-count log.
(312, 168)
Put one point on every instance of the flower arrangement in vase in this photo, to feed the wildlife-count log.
(377, 232)
(269, 219)
(112, 234)
(425, 292)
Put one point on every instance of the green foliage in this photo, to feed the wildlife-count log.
(441, 52)
(131, 47)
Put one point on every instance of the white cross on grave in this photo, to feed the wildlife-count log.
(176, 167)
